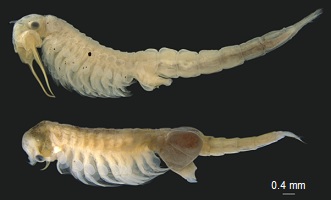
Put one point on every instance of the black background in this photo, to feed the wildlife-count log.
(283, 90)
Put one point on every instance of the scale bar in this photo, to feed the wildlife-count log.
(289, 193)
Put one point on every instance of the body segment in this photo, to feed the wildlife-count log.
(79, 63)
(112, 157)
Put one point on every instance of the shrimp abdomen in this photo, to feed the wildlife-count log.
(220, 146)
(189, 64)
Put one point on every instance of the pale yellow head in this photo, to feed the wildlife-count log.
(37, 144)
(28, 35)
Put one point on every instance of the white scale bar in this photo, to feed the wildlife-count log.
(288, 193)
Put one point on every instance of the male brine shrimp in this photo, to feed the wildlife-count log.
(79, 63)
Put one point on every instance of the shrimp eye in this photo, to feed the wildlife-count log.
(34, 25)
(40, 158)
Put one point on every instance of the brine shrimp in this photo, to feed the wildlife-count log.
(114, 157)
(81, 64)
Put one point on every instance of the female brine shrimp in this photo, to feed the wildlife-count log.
(81, 64)
(114, 157)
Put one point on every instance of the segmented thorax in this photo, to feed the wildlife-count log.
(80, 63)
(103, 157)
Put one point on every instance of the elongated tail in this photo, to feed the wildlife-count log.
(184, 63)
(220, 146)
